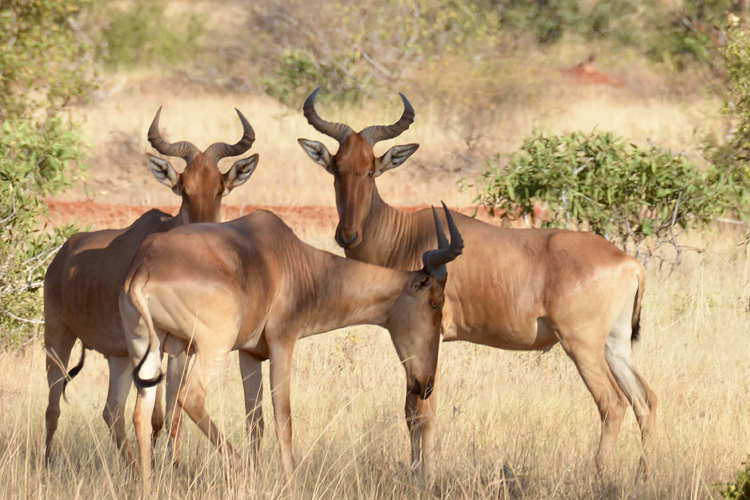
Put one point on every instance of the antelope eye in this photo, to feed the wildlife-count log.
(434, 305)
(371, 173)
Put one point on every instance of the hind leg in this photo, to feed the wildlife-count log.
(58, 342)
(157, 417)
(252, 382)
(611, 402)
(192, 397)
(176, 370)
(120, 381)
(638, 393)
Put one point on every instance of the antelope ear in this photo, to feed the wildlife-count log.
(164, 172)
(421, 281)
(239, 173)
(318, 152)
(394, 157)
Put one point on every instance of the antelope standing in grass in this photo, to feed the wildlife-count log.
(83, 282)
(251, 285)
(519, 289)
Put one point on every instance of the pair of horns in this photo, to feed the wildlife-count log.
(188, 151)
(372, 134)
(435, 260)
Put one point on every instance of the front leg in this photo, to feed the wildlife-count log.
(281, 371)
(420, 419)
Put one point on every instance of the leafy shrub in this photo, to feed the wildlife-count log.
(33, 162)
(730, 157)
(140, 34)
(740, 488)
(44, 61)
(297, 73)
(547, 19)
(621, 191)
(44, 64)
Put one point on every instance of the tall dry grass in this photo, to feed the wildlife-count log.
(511, 425)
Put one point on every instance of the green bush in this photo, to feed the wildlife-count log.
(45, 63)
(141, 35)
(597, 181)
(740, 488)
(296, 73)
(34, 162)
(731, 155)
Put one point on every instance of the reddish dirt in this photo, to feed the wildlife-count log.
(309, 218)
(584, 73)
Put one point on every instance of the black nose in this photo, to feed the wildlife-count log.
(427, 390)
(345, 242)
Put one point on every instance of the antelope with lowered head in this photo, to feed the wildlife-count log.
(519, 289)
(251, 285)
(83, 282)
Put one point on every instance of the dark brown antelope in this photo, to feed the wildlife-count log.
(519, 289)
(251, 285)
(83, 282)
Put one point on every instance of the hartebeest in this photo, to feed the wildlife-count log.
(83, 282)
(519, 289)
(251, 285)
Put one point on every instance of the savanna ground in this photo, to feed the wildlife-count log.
(510, 425)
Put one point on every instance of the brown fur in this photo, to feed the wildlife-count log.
(519, 289)
(251, 285)
(82, 285)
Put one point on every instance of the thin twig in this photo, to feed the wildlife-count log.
(22, 320)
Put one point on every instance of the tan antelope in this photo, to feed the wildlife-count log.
(251, 285)
(519, 289)
(83, 282)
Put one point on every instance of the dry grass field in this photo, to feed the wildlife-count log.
(510, 425)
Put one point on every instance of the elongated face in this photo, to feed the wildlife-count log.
(354, 166)
(415, 320)
(415, 325)
(201, 185)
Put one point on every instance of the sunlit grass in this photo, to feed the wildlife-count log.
(511, 425)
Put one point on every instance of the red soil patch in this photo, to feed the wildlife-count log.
(585, 74)
(307, 218)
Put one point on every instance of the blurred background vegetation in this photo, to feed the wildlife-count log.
(57, 55)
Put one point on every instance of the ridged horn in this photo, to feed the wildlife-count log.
(221, 150)
(183, 149)
(435, 260)
(377, 133)
(338, 131)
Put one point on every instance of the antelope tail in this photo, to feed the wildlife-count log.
(135, 293)
(636, 325)
(73, 372)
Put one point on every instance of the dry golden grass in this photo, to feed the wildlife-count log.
(511, 425)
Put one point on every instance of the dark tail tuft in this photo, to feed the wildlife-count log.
(636, 331)
(73, 372)
(141, 383)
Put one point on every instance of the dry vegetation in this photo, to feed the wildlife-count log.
(511, 425)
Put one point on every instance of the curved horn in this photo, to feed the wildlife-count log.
(338, 131)
(435, 260)
(378, 133)
(183, 149)
(221, 150)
